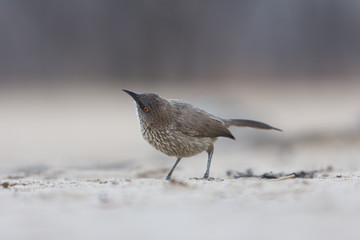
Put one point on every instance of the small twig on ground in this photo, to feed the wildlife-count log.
(270, 175)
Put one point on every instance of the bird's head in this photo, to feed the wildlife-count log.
(152, 109)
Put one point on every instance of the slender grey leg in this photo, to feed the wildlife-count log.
(168, 176)
(206, 175)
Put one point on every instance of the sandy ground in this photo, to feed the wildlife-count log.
(132, 208)
(70, 170)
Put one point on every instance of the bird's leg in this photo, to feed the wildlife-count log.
(206, 175)
(168, 176)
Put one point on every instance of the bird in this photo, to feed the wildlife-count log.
(180, 130)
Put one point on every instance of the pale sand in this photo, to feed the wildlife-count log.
(77, 168)
(116, 208)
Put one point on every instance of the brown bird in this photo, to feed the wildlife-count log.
(179, 129)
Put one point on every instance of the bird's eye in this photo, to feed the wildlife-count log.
(146, 109)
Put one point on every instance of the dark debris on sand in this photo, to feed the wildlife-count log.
(271, 175)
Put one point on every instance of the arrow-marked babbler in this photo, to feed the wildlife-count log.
(179, 129)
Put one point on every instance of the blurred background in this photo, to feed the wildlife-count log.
(292, 64)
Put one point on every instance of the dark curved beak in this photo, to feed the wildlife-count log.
(134, 95)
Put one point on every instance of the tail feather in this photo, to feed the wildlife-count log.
(250, 123)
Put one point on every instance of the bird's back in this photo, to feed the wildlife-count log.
(195, 122)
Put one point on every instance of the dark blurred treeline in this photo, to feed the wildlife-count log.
(163, 39)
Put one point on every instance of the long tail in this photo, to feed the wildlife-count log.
(249, 123)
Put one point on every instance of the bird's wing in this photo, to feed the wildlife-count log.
(198, 123)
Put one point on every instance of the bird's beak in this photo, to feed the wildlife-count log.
(134, 95)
